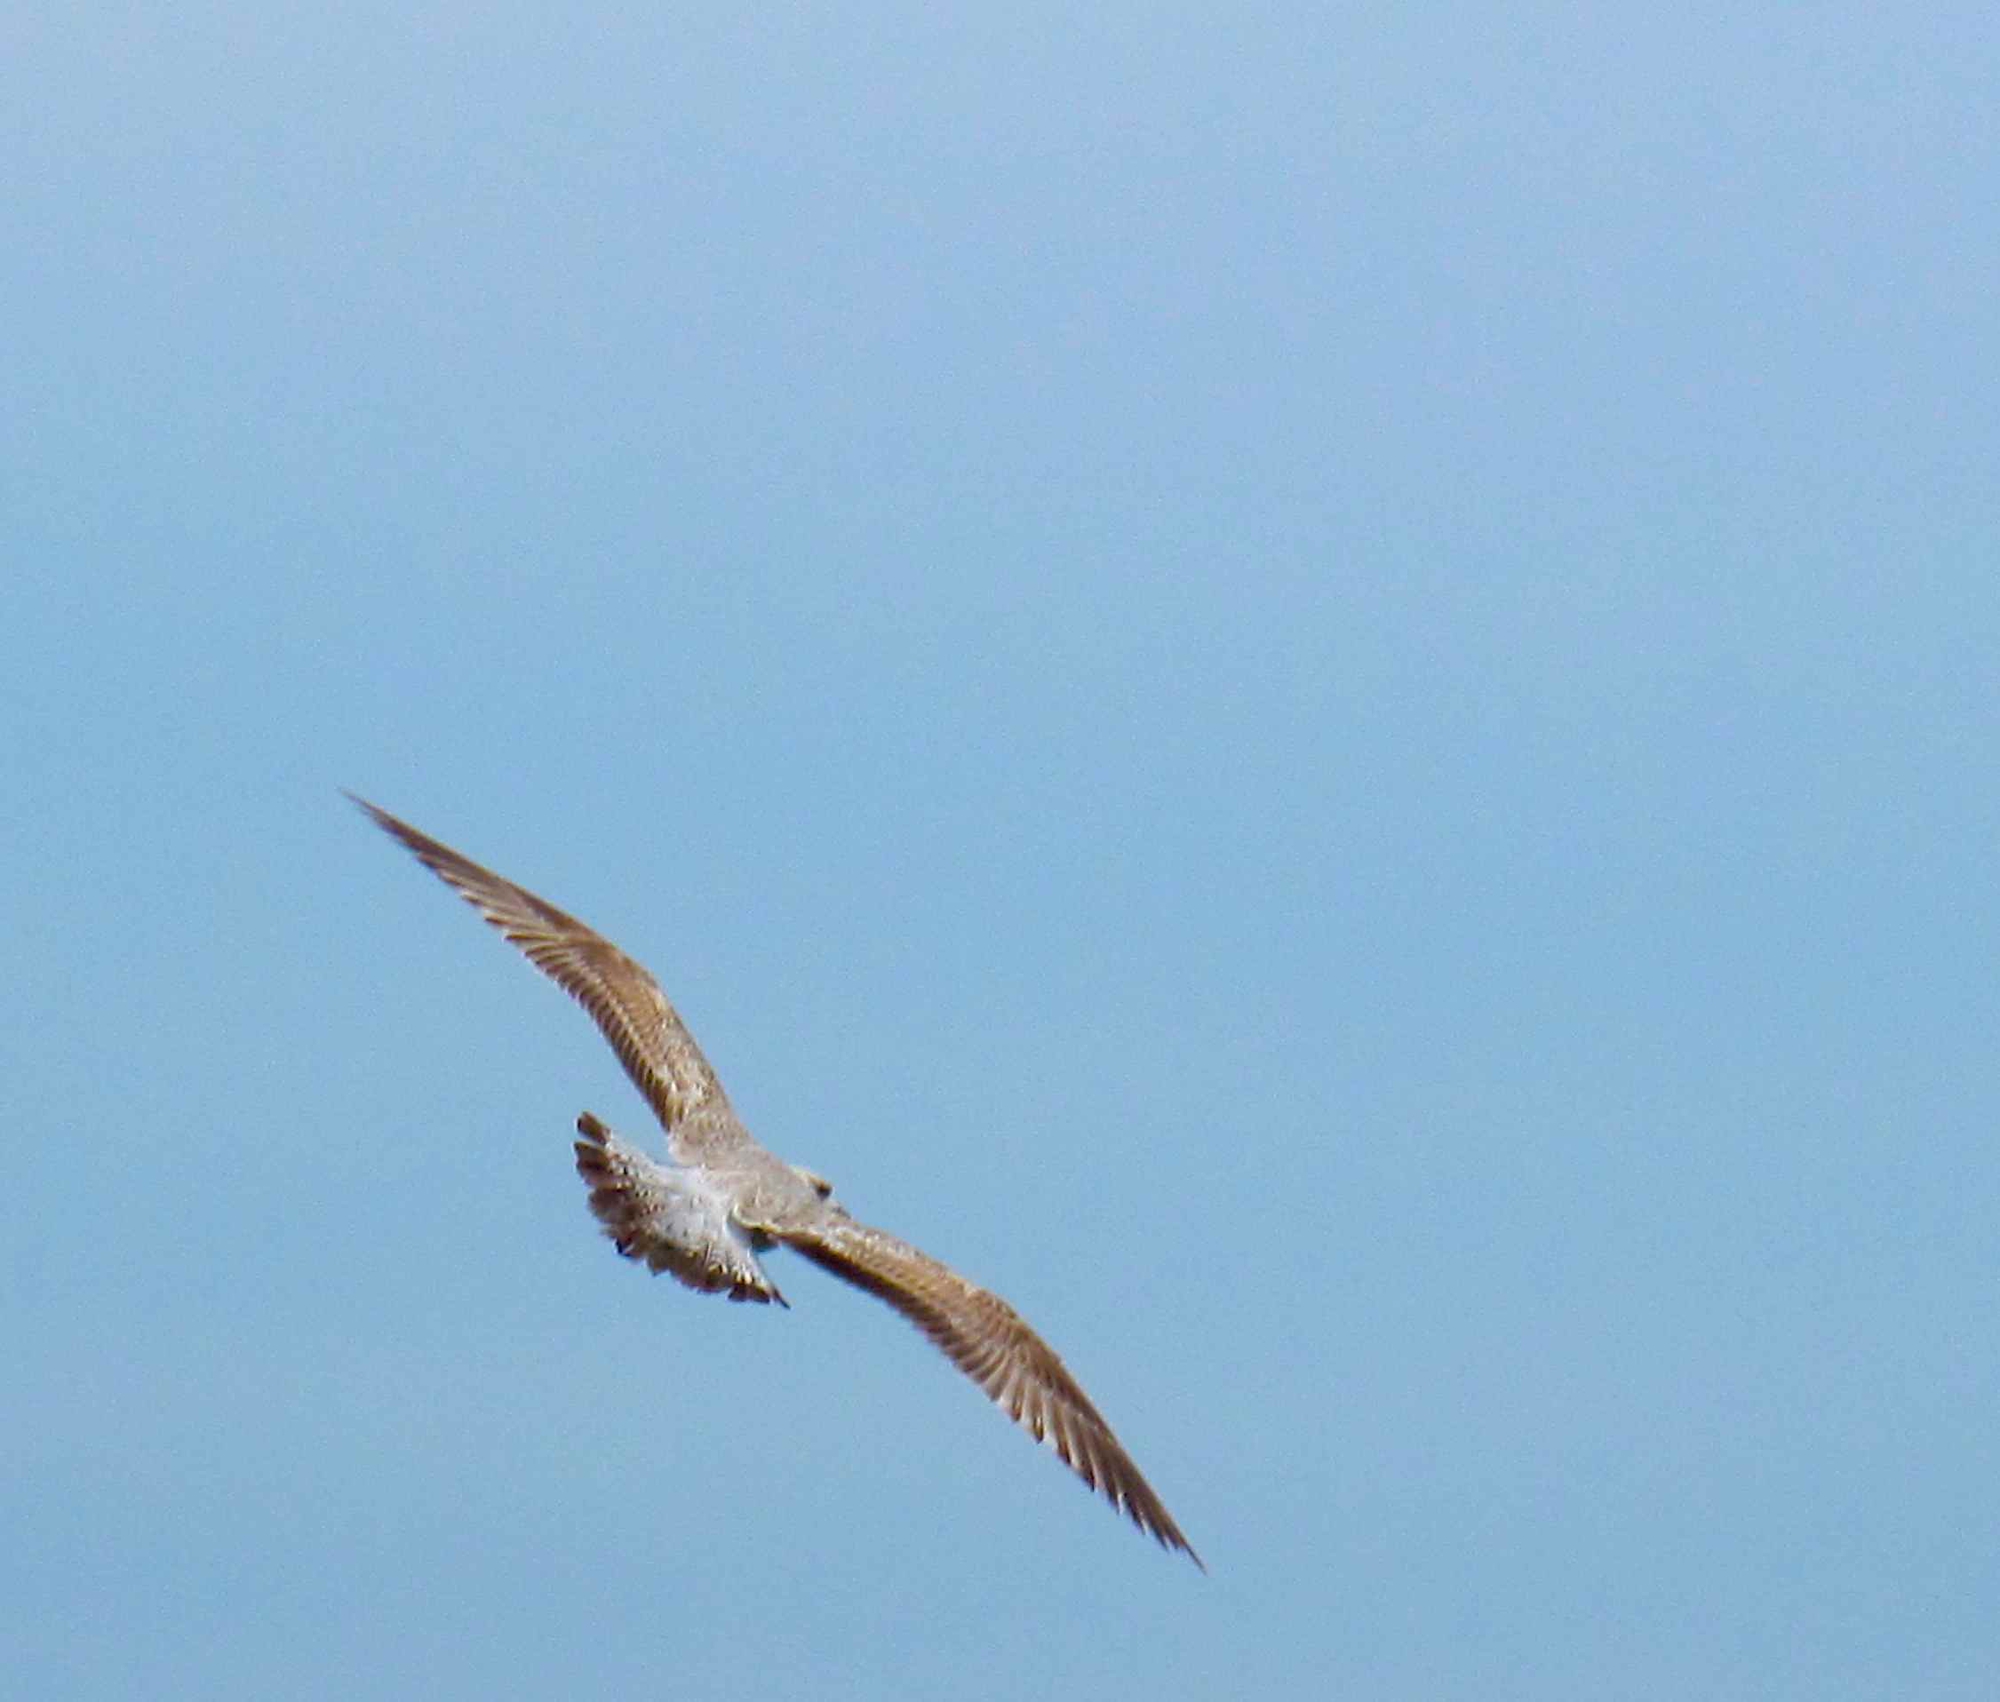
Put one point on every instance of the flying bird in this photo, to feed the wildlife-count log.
(722, 1199)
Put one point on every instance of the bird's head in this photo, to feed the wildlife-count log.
(819, 1184)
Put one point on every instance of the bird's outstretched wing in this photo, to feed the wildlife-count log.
(624, 1000)
(992, 1344)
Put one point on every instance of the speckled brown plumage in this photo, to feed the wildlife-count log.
(705, 1217)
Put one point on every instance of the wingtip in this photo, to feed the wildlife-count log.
(394, 826)
(1167, 1534)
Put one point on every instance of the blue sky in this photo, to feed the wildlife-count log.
(1316, 689)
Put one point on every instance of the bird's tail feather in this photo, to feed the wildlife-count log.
(667, 1219)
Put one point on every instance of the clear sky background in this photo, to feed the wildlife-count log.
(1315, 687)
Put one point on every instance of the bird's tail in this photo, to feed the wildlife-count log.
(668, 1219)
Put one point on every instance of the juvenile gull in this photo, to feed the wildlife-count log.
(722, 1199)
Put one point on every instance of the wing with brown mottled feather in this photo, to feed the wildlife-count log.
(992, 1344)
(644, 1029)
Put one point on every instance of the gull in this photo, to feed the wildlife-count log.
(722, 1199)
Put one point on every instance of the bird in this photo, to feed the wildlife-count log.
(722, 1199)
